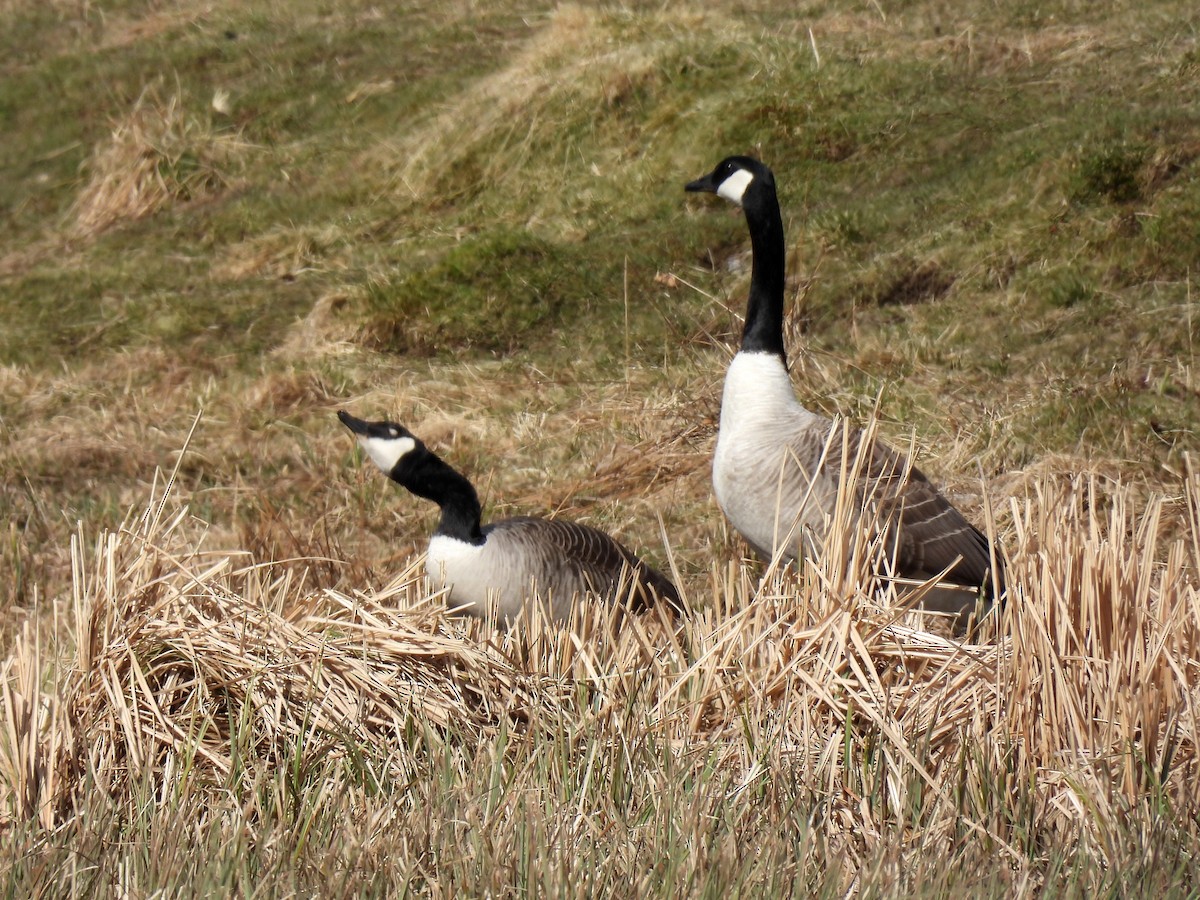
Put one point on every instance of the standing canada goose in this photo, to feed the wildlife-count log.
(773, 475)
(511, 561)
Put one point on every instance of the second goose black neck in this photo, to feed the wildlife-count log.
(428, 476)
(763, 332)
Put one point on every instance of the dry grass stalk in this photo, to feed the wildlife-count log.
(1105, 652)
(1076, 710)
(175, 648)
(158, 155)
(36, 739)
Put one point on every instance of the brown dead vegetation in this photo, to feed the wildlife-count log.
(186, 664)
(158, 155)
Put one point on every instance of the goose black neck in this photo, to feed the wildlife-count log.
(763, 332)
(430, 477)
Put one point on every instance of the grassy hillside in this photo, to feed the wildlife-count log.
(471, 219)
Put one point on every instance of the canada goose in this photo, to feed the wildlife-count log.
(510, 561)
(769, 446)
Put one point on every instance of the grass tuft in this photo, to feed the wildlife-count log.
(491, 293)
(1110, 172)
(158, 155)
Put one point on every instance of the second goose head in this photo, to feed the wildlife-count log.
(739, 179)
(405, 459)
(387, 443)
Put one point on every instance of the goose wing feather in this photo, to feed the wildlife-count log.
(568, 557)
(932, 534)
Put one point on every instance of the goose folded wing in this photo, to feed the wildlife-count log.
(934, 535)
(931, 535)
(598, 559)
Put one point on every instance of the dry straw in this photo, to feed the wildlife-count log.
(176, 650)
(1077, 707)
(158, 155)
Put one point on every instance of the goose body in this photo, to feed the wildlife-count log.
(777, 465)
(507, 564)
(750, 458)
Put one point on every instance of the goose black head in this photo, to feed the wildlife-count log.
(385, 442)
(733, 177)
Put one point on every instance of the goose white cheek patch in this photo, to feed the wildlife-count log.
(387, 451)
(734, 187)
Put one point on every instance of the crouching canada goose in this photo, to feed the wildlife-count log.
(777, 465)
(507, 563)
